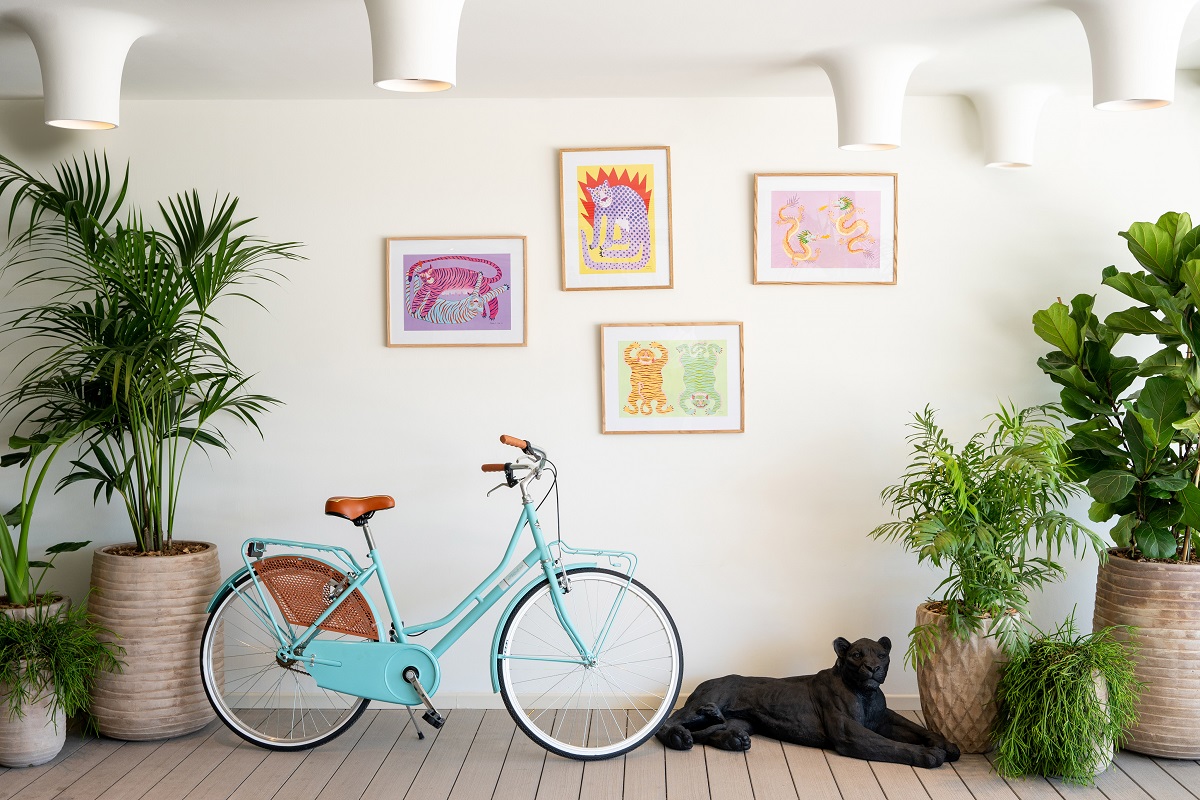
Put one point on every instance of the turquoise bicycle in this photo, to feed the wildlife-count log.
(587, 659)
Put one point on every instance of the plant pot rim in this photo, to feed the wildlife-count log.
(929, 604)
(107, 550)
(53, 597)
(1120, 553)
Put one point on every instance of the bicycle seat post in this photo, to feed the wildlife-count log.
(370, 539)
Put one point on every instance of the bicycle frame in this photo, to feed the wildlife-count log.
(382, 655)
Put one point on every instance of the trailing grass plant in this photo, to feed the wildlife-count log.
(990, 514)
(1050, 719)
(54, 655)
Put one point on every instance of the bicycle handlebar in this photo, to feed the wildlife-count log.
(493, 467)
(513, 441)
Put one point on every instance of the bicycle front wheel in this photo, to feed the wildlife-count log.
(590, 711)
(268, 701)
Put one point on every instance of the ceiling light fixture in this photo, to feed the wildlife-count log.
(1009, 118)
(414, 43)
(868, 87)
(1134, 48)
(82, 55)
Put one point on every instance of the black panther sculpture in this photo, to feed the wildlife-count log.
(840, 708)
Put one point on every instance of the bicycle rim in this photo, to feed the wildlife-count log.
(267, 702)
(602, 710)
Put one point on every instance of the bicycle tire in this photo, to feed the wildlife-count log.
(271, 717)
(598, 723)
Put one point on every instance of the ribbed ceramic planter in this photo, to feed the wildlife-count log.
(1162, 600)
(958, 686)
(37, 736)
(156, 607)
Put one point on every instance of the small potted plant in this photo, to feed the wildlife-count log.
(49, 662)
(1064, 704)
(989, 513)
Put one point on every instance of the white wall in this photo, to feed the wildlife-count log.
(755, 541)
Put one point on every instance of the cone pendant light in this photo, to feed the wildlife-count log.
(414, 43)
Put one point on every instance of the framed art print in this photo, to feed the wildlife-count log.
(825, 228)
(456, 290)
(616, 218)
(671, 377)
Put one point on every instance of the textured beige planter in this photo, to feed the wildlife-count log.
(958, 686)
(38, 736)
(156, 607)
(1162, 600)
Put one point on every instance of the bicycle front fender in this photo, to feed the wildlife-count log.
(526, 589)
(226, 588)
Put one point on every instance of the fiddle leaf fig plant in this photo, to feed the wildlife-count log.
(1134, 441)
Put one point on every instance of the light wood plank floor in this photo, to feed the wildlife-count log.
(480, 754)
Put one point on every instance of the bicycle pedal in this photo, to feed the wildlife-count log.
(434, 718)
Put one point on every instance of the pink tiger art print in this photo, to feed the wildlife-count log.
(434, 281)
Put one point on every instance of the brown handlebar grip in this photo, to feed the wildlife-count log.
(513, 441)
(493, 468)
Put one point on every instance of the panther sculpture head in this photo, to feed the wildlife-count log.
(863, 665)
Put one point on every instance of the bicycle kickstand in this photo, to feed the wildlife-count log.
(416, 727)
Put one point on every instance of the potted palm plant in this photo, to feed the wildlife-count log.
(50, 658)
(1135, 440)
(989, 513)
(131, 323)
(1064, 704)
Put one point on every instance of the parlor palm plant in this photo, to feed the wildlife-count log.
(982, 512)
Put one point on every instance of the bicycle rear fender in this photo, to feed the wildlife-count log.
(526, 589)
(226, 588)
(233, 579)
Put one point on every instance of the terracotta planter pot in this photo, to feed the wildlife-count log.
(37, 736)
(156, 607)
(958, 686)
(1162, 600)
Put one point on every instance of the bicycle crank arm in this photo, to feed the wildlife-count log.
(431, 716)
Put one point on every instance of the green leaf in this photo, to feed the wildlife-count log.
(1135, 442)
(1111, 485)
(40, 565)
(1161, 404)
(1079, 405)
(1122, 532)
(1168, 361)
(1100, 512)
(1138, 285)
(1155, 542)
(1189, 424)
(1165, 515)
(1189, 498)
(66, 547)
(1175, 224)
(1055, 326)
(1153, 247)
(1171, 483)
(1140, 321)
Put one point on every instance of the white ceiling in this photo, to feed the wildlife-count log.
(573, 48)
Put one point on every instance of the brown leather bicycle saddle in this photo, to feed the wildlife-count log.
(352, 508)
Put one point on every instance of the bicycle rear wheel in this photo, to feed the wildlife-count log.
(269, 702)
(596, 711)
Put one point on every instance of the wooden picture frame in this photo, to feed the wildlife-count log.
(629, 248)
(672, 377)
(826, 228)
(456, 291)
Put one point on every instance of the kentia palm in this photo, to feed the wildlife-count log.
(130, 332)
(990, 513)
